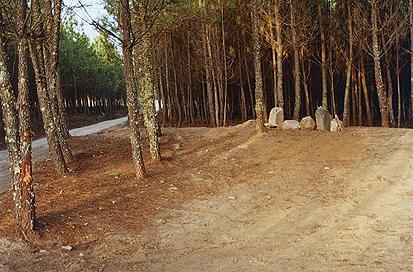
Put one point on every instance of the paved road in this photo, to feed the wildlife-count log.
(40, 148)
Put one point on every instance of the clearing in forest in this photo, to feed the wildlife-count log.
(225, 200)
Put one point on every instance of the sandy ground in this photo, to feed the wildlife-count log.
(225, 200)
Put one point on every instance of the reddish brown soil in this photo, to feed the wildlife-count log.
(224, 200)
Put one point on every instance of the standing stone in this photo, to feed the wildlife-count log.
(276, 118)
(307, 123)
(323, 119)
(336, 125)
(333, 125)
(291, 124)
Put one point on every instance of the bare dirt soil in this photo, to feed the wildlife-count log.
(224, 199)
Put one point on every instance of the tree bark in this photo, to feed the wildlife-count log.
(11, 127)
(143, 69)
(297, 84)
(411, 57)
(132, 95)
(331, 71)
(399, 94)
(366, 93)
(323, 55)
(346, 106)
(27, 195)
(259, 97)
(278, 31)
(382, 97)
(50, 128)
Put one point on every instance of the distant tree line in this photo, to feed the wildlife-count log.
(352, 57)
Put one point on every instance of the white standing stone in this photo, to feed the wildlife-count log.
(333, 125)
(276, 118)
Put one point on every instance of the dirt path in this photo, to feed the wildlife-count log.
(286, 201)
(40, 148)
(355, 217)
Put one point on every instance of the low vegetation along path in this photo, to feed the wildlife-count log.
(224, 199)
(40, 148)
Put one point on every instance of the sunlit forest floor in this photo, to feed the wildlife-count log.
(224, 199)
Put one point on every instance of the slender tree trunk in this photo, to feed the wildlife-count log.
(224, 59)
(244, 108)
(323, 55)
(259, 97)
(45, 87)
(51, 62)
(190, 91)
(366, 93)
(377, 69)
(132, 95)
(399, 94)
(206, 45)
(27, 195)
(353, 98)
(297, 84)
(411, 57)
(346, 109)
(278, 31)
(50, 128)
(306, 91)
(390, 92)
(359, 104)
(274, 64)
(331, 71)
(61, 104)
(145, 77)
(11, 127)
(168, 107)
(147, 95)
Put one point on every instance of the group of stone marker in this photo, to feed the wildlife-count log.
(324, 121)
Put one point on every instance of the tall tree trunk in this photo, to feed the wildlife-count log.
(11, 127)
(278, 31)
(147, 95)
(331, 71)
(244, 107)
(346, 106)
(209, 84)
(377, 68)
(51, 62)
(390, 91)
(366, 93)
(306, 77)
(225, 68)
(190, 90)
(259, 96)
(274, 64)
(27, 195)
(45, 103)
(411, 57)
(399, 94)
(132, 95)
(144, 74)
(359, 104)
(45, 90)
(323, 55)
(297, 84)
